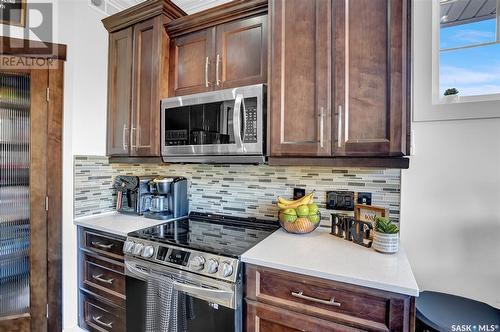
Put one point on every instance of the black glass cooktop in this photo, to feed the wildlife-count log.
(216, 234)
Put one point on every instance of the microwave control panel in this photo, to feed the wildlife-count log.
(250, 134)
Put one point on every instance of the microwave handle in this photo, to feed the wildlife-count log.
(237, 120)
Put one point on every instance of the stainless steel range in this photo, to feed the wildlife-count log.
(201, 254)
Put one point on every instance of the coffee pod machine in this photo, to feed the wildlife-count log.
(131, 191)
(167, 198)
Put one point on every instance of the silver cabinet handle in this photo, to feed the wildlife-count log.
(124, 137)
(339, 128)
(133, 138)
(103, 246)
(321, 126)
(217, 79)
(206, 72)
(98, 320)
(301, 295)
(99, 277)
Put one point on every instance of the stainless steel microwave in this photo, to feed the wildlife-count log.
(225, 126)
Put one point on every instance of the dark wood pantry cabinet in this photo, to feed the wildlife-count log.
(339, 82)
(219, 48)
(137, 68)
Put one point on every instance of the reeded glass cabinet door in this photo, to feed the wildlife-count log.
(14, 194)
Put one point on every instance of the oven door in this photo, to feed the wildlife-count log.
(213, 305)
(220, 123)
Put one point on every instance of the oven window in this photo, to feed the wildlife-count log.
(211, 123)
(202, 316)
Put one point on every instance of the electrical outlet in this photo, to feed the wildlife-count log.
(298, 193)
(365, 198)
(340, 200)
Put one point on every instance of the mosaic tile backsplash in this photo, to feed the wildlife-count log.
(239, 190)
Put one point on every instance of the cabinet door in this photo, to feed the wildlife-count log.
(147, 69)
(300, 94)
(192, 67)
(119, 92)
(371, 78)
(241, 53)
(268, 318)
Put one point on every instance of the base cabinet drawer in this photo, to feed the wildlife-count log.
(99, 316)
(105, 245)
(267, 318)
(348, 305)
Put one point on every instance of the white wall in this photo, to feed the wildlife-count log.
(450, 208)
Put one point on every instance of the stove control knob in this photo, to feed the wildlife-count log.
(138, 249)
(212, 266)
(227, 269)
(148, 251)
(127, 246)
(197, 263)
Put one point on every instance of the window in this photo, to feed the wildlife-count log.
(469, 49)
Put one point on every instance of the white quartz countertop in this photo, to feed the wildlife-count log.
(320, 254)
(116, 223)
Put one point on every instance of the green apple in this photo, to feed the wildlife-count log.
(290, 212)
(314, 218)
(313, 208)
(302, 210)
(289, 217)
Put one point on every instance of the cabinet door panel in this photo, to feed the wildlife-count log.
(242, 52)
(119, 92)
(144, 134)
(192, 63)
(369, 92)
(301, 81)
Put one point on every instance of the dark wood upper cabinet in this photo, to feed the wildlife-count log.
(137, 71)
(119, 91)
(149, 68)
(219, 48)
(339, 78)
(371, 77)
(300, 88)
(191, 63)
(241, 57)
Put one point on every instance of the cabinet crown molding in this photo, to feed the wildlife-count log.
(141, 12)
(217, 15)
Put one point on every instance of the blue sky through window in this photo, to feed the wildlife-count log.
(475, 70)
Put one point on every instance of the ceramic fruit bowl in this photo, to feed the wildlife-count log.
(299, 225)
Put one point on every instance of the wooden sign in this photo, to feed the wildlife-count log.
(13, 12)
(351, 229)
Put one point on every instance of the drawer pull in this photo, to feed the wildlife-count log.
(301, 295)
(99, 278)
(103, 246)
(98, 320)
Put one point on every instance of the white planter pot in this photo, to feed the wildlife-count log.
(386, 243)
(451, 99)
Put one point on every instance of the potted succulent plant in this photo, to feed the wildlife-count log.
(451, 95)
(386, 236)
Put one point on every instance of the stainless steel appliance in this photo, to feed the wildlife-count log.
(226, 126)
(167, 198)
(201, 253)
(131, 193)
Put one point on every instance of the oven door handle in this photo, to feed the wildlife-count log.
(204, 292)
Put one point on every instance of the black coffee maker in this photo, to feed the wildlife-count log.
(168, 198)
(130, 192)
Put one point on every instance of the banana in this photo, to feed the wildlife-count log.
(289, 204)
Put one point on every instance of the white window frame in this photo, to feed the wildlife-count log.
(428, 105)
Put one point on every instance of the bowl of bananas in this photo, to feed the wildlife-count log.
(299, 216)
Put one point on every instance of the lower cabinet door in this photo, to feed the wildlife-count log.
(267, 318)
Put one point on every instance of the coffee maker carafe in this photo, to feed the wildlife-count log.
(168, 198)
